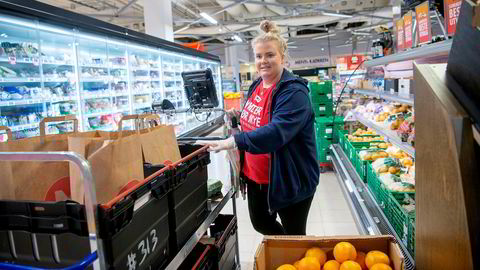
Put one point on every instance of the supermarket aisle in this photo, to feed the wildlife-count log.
(329, 215)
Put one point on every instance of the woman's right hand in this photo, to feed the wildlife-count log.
(233, 113)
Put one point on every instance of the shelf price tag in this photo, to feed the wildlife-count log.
(12, 60)
(424, 27)
(36, 61)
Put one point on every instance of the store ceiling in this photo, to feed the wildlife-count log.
(300, 20)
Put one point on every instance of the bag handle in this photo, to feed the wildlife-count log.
(148, 118)
(58, 119)
(9, 132)
(125, 118)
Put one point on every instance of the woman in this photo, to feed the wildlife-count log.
(277, 138)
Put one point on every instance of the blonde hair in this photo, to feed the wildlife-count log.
(271, 33)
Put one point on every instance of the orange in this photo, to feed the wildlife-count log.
(374, 257)
(380, 266)
(318, 253)
(350, 265)
(331, 265)
(309, 263)
(344, 251)
(361, 260)
(287, 267)
(296, 264)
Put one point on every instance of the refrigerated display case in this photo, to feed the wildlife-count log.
(54, 62)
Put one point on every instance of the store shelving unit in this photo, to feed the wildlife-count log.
(367, 213)
(386, 96)
(425, 51)
(389, 135)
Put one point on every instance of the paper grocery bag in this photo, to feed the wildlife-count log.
(115, 160)
(28, 180)
(159, 144)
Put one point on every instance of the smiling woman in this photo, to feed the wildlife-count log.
(277, 142)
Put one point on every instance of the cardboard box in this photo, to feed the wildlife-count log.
(277, 250)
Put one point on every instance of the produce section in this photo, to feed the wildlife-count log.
(48, 70)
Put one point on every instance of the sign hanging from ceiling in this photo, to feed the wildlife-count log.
(424, 27)
(400, 35)
(452, 11)
(407, 28)
(317, 61)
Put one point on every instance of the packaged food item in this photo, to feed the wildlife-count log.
(372, 154)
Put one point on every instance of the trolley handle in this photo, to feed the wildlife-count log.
(83, 264)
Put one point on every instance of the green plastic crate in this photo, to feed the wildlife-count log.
(411, 239)
(322, 154)
(320, 87)
(322, 109)
(402, 222)
(340, 134)
(381, 195)
(321, 97)
(324, 142)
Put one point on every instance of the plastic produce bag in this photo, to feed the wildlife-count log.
(384, 165)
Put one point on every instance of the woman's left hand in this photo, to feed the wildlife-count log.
(219, 145)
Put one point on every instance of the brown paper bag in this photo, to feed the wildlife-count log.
(159, 142)
(115, 161)
(31, 180)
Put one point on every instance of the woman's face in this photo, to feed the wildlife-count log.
(268, 59)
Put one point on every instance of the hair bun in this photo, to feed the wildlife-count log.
(268, 27)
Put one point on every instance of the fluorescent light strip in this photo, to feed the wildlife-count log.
(293, 47)
(344, 45)
(237, 38)
(208, 18)
(324, 36)
(360, 34)
(341, 15)
(182, 29)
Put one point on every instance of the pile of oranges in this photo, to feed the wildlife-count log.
(346, 258)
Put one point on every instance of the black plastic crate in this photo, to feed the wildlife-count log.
(224, 230)
(188, 199)
(55, 235)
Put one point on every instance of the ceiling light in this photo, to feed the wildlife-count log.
(291, 42)
(292, 47)
(237, 38)
(337, 14)
(361, 33)
(220, 29)
(324, 36)
(323, 49)
(208, 18)
(344, 45)
(182, 29)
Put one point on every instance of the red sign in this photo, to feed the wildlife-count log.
(400, 35)
(424, 28)
(354, 61)
(407, 27)
(452, 11)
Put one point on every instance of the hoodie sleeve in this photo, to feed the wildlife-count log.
(291, 111)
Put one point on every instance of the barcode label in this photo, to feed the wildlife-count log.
(322, 108)
(12, 60)
(328, 130)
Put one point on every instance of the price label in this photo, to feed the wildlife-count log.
(328, 130)
(26, 59)
(36, 62)
(11, 103)
(31, 79)
(12, 60)
(2, 79)
(30, 102)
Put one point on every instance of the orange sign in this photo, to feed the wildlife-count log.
(400, 35)
(195, 45)
(452, 11)
(424, 28)
(407, 28)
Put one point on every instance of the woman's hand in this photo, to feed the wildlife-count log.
(233, 113)
(219, 145)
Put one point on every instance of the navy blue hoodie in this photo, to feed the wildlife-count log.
(289, 137)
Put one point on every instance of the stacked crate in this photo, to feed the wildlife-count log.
(322, 102)
(324, 129)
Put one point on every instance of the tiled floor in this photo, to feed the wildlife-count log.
(329, 215)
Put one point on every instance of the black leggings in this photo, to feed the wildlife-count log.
(294, 217)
